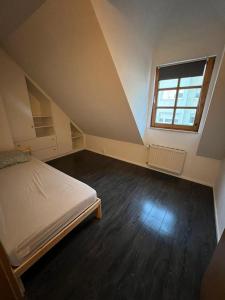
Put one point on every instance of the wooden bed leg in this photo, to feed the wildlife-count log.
(11, 287)
(21, 286)
(98, 212)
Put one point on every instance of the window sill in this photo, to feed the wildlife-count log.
(173, 130)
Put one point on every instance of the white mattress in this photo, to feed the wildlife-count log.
(36, 201)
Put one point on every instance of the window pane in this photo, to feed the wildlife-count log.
(166, 98)
(164, 115)
(190, 81)
(188, 97)
(185, 117)
(169, 83)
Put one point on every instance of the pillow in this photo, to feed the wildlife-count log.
(9, 158)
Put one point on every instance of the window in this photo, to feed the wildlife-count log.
(180, 93)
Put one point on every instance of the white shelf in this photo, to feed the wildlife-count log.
(76, 136)
(41, 111)
(44, 126)
(41, 116)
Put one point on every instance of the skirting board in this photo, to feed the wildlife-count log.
(149, 167)
(216, 217)
(64, 154)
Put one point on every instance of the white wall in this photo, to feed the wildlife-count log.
(6, 142)
(15, 112)
(212, 143)
(188, 36)
(196, 168)
(62, 129)
(133, 153)
(219, 197)
(167, 33)
(201, 170)
(16, 99)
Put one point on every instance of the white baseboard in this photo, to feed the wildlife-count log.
(216, 217)
(149, 167)
(196, 180)
(64, 154)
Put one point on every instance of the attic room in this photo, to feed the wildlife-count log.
(112, 149)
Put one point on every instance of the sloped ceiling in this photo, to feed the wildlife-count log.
(62, 48)
(212, 143)
(141, 34)
(14, 12)
(195, 23)
(130, 28)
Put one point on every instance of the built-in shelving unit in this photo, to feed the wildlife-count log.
(41, 111)
(77, 137)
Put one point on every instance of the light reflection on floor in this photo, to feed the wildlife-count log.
(158, 218)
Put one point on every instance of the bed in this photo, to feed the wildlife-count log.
(39, 205)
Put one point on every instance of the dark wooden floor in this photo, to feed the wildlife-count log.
(154, 242)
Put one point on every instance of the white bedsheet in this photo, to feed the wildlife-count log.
(36, 201)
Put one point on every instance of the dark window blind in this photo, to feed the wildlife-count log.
(190, 69)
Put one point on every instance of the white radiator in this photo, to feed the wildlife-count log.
(167, 159)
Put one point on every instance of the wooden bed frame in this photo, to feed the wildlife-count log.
(13, 274)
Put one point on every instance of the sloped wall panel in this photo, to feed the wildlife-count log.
(62, 48)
